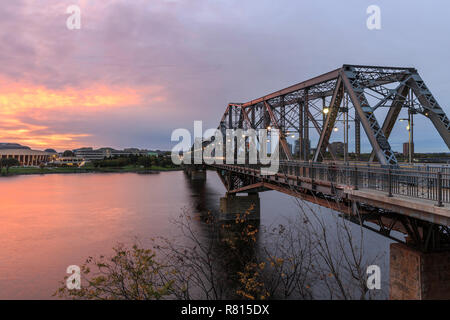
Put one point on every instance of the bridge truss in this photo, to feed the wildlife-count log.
(355, 92)
(350, 91)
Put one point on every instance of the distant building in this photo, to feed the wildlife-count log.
(297, 147)
(89, 154)
(23, 154)
(68, 161)
(406, 149)
(290, 147)
(153, 154)
(337, 147)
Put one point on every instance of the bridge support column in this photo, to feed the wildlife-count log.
(195, 173)
(245, 206)
(198, 174)
(415, 275)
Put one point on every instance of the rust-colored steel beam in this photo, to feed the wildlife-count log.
(282, 137)
(300, 86)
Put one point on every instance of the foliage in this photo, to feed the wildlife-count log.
(131, 274)
(304, 258)
(7, 163)
(68, 153)
(134, 160)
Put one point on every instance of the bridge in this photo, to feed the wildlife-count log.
(381, 193)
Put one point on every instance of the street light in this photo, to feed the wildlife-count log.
(326, 110)
(409, 127)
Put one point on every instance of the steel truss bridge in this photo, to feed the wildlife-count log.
(384, 194)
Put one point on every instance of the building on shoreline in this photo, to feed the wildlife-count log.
(90, 154)
(26, 157)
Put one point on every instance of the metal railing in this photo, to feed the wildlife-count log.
(426, 182)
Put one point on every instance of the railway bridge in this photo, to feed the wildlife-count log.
(376, 190)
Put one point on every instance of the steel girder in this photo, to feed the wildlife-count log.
(430, 107)
(293, 108)
(393, 113)
(355, 88)
(330, 121)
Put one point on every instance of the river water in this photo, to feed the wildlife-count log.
(48, 222)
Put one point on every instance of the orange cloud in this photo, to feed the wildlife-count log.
(14, 130)
(19, 99)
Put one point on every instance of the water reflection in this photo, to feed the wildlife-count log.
(48, 222)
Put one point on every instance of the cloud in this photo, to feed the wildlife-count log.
(139, 69)
(29, 112)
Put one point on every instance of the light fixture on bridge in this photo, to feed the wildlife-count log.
(335, 129)
(326, 110)
(269, 128)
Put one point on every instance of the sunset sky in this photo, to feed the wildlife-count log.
(136, 70)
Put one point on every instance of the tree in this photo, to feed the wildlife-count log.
(304, 258)
(144, 161)
(8, 162)
(131, 274)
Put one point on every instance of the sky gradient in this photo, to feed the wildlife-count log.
(136, 70)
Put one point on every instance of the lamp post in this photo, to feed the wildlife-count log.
(410, 129)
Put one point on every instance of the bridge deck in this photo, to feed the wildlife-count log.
(419, 193)
(417, 208)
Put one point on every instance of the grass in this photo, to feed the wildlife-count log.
(85, 169)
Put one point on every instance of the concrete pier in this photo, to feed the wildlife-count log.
(415, 275)
(197, 173)
(247, 207)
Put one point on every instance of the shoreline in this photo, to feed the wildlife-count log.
(62, 170)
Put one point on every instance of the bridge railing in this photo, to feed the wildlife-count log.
(428, 184)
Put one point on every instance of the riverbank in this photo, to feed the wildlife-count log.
(73, 170)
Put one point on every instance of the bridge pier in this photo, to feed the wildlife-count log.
(415, 275)
(197, 173)
(247, 207)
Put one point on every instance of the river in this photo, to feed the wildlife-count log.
(48, 222)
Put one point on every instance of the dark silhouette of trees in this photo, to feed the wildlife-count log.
(304, 258)
(7, 163)
(68, 153)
